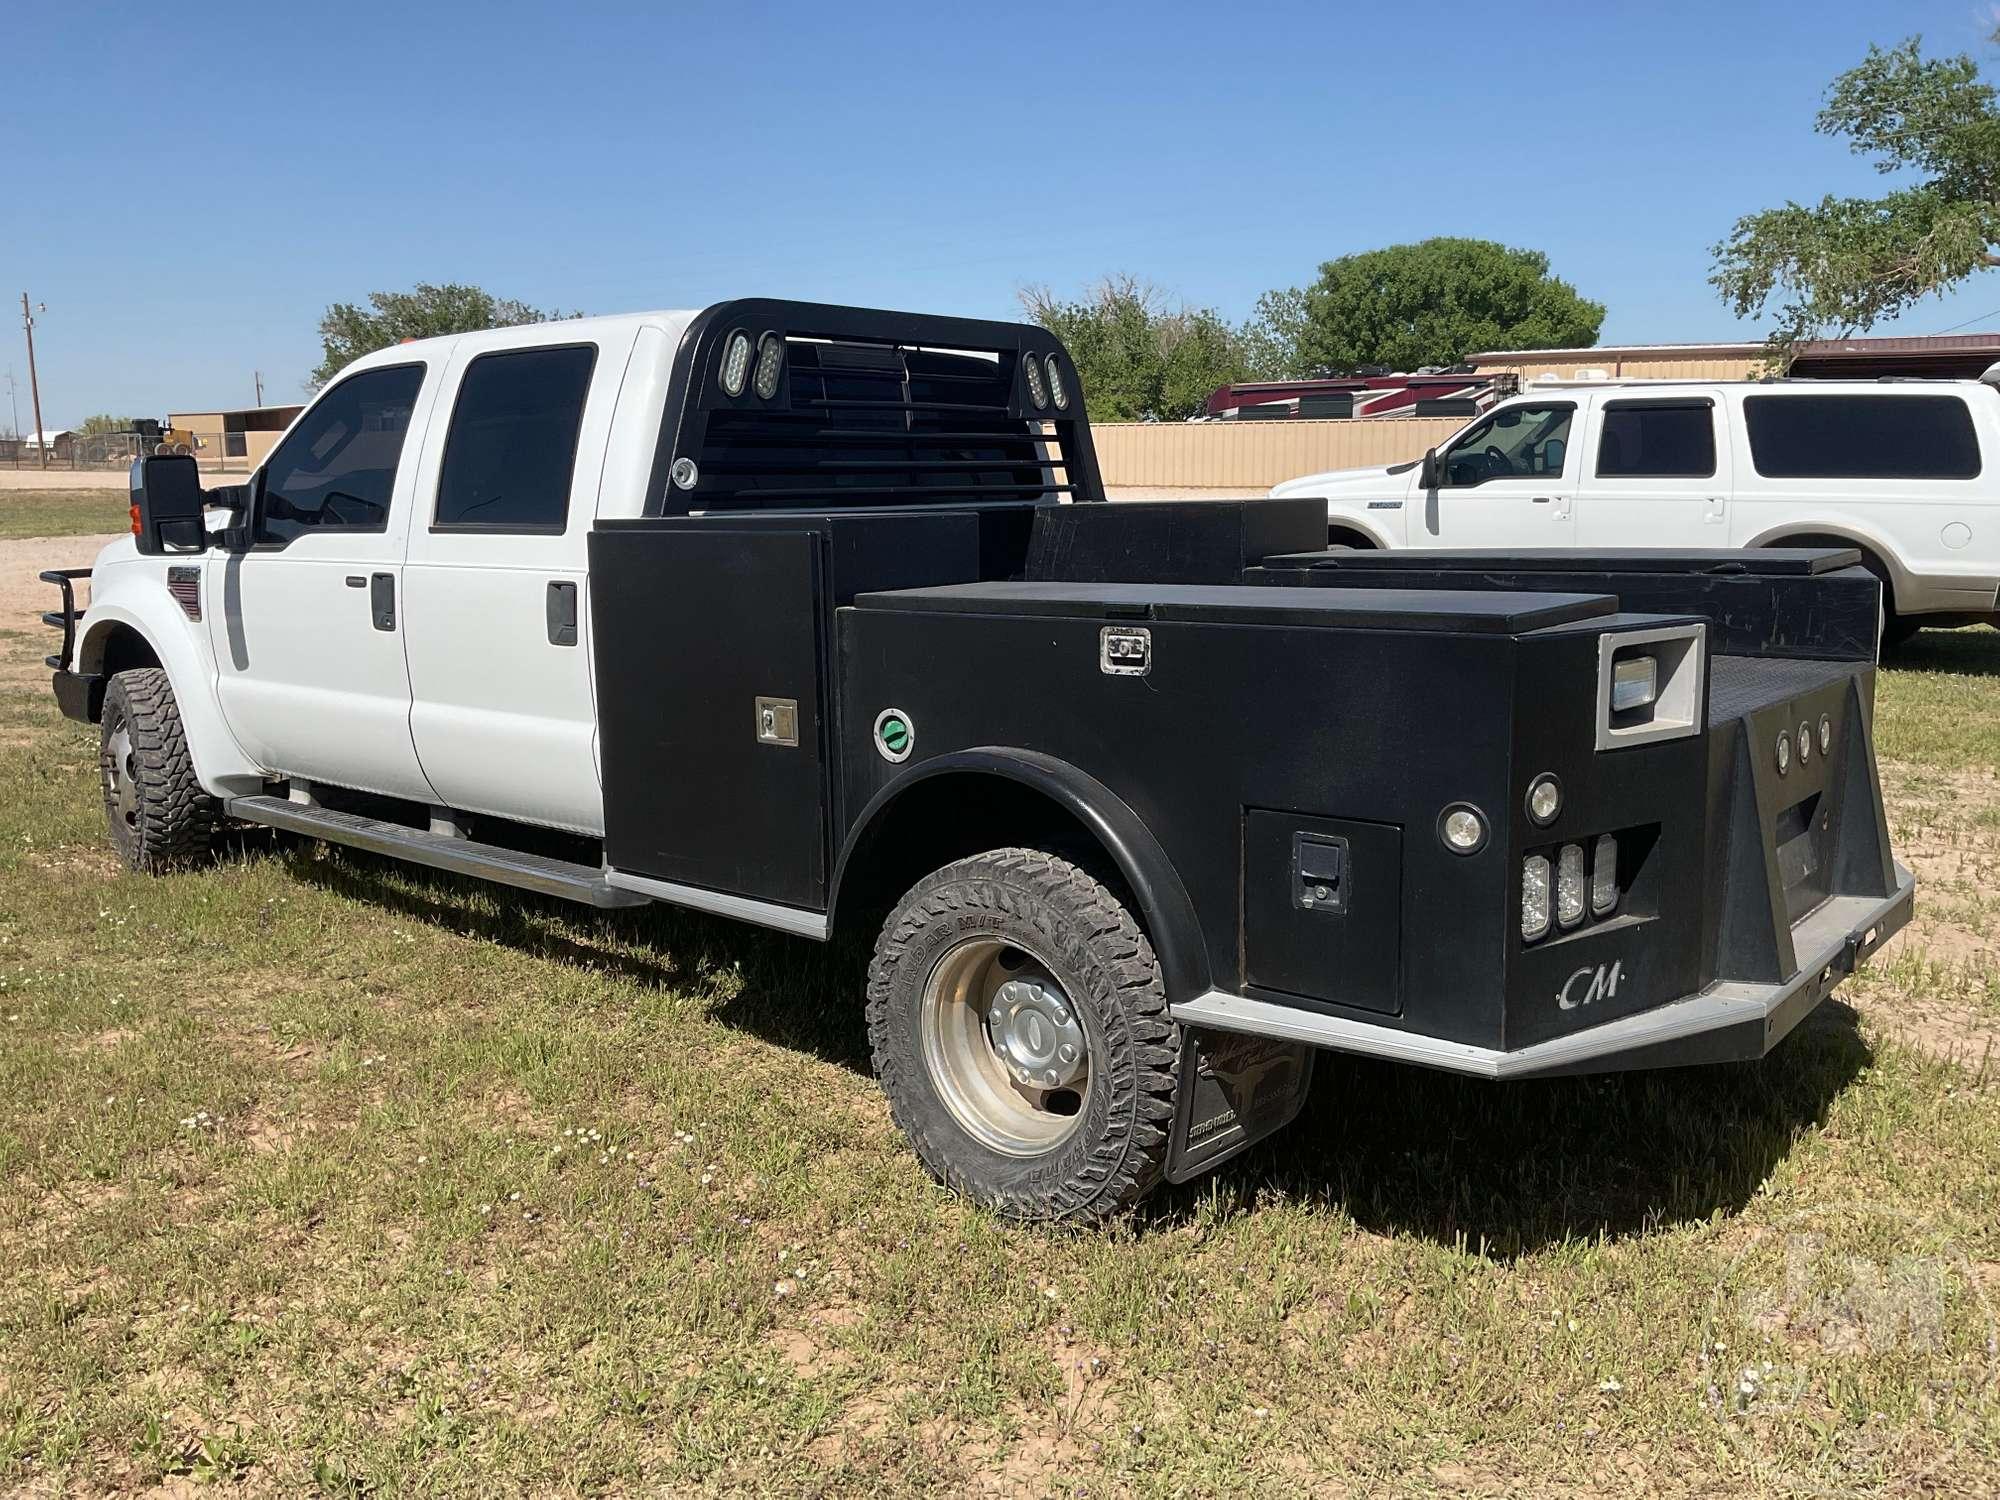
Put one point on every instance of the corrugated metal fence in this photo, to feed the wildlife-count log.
(1256, 455)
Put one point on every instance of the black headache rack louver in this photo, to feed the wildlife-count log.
(870, 409)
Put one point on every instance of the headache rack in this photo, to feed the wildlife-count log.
(870, 409)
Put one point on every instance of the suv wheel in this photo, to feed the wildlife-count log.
(158, 814)
(1020, 1031)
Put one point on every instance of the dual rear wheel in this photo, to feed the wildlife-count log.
(1020, 1030)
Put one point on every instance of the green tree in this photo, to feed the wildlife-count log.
(347, 332)
(1270, 339)
(98, 425)
(1435, 302)
(1141, 356)
(1845, 263)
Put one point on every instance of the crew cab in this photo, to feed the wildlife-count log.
(1907, 471)
(816, 618)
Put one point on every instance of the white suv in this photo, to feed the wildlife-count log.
(1906, 470)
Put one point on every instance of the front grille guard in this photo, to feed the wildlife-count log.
(63, 619)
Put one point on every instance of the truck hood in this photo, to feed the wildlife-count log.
(1338, 484)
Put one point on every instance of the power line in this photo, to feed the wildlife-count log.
(1939, 333)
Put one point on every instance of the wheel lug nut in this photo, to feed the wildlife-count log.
(1067, 1053)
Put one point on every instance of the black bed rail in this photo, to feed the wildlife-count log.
(63, 619)
(869, 407)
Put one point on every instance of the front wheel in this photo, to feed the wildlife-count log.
(1020, 1031)
(158, 814)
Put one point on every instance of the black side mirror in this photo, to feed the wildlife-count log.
(1428, 470)
(167, 502)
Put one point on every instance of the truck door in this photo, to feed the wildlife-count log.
(308, 639)
(498, 610)
(1657, 474)
(1507, 481)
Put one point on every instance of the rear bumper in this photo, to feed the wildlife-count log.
(1729, 1021)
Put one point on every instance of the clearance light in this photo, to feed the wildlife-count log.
(1825, 734)
(736, 363)
(770, 364)
(1534, 897)
(1545, 799)
(1057, 389)
(1604, 877)
(1635, 682)
(1462, 829)
(1569, 885)
(1784, 752)
(1805, 743)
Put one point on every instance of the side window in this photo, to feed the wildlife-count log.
(336, 470)
(1657, 440)
(1516, 442)
(511, 450)
(1861, 437)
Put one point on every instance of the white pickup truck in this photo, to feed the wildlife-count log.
(1908, 471)
(815, 617)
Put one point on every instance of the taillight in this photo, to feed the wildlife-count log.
(135, 520)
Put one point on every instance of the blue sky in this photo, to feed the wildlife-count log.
(194, 186)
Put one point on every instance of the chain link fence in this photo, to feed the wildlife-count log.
(113, 452)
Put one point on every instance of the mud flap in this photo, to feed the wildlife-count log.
(1234, 1090)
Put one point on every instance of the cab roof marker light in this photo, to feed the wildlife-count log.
(770, 364)
(735, 363)
(1038, 390)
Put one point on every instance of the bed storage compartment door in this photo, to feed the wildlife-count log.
(1323, 909)
(709, 708)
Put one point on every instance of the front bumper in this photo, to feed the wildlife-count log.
(1730, 1021)
(80, 695)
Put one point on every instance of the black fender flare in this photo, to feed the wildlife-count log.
(1164, 907)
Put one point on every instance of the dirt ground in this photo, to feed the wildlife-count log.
(23, 596)
(30, 478)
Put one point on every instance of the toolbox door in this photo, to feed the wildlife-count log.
(709, 666)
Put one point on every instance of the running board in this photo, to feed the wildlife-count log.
(529, 872)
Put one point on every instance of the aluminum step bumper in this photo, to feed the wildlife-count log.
(530, 872)
(1727, 1022)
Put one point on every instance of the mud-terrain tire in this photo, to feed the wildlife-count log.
(158, 815)
(1088, 964)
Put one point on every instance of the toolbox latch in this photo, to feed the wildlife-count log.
(1319, 873)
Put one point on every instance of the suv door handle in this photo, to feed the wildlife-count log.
(561, 607)
(1541, 499)
(382, 600)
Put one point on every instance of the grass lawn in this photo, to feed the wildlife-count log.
(62, 512)
(320, 1174)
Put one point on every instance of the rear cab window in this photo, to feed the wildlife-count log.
(1861, 436)
(510, 452)
(1657, 440)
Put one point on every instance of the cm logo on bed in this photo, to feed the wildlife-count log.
(1603, 985)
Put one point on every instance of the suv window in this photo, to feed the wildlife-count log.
(1657, 440)
(1861, 437)
(336, 470)
(511, 450)
(1515, 442)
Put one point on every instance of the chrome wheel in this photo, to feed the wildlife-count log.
(1005, 1047)
(121, 777)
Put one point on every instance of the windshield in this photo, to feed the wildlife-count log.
(1515, 442)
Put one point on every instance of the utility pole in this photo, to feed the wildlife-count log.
(13, 406)
(258, 376)
(34, 383)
